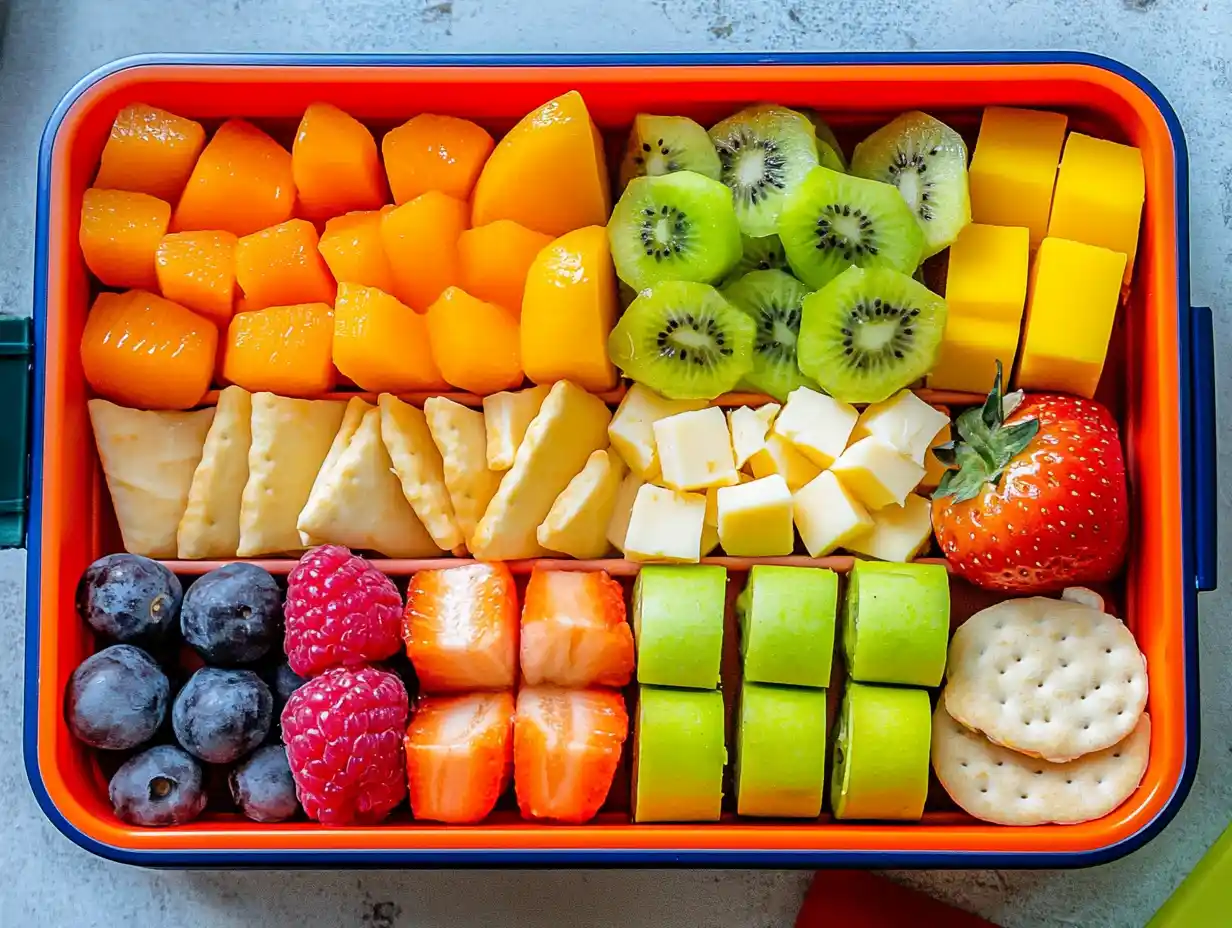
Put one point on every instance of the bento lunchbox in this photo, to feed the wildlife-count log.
(1160, 370)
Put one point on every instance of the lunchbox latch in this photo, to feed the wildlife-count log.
(15, 374)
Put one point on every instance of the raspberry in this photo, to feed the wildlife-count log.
(341, 611)
(343, 731)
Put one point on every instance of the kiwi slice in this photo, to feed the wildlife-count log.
(826, 137)
(759, 254)
(683, 340)
(772, 299)
(666, 144)
(927, 161)
(869, 333)
(679, 226)
(764, 153)
(832, 221)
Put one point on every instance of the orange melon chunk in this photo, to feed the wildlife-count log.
(474, 343)
(568, 311)
(119, 236)
(352, 248)
(335, 164)
(150, 151)
(421, 242)
(242, 183)
(283, 349)
(493, 261)
(381, 344)
(281, 266)
(197, 270)
(429, 152)
(141, 350)
(548, 174)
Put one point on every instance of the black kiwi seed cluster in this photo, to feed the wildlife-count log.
(670, 165)
(774, 164)
(828, 237)
(876, 311)
(697, 340)
(917, 162)
(677, 225)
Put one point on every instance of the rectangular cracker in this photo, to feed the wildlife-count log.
(210, 527)
(359, 503)
(290, 441)
(149, 459)
(569, 427)
(461, 438)
(351, 418)
(417, 462)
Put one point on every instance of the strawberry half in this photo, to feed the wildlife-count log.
(1035, 499)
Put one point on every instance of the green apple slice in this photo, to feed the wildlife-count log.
(787, 617)
(678, 755)
(780, 751)
(678, 624)
(880, 769)
(896, 623)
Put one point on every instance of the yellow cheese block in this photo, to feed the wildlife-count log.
(1014, 166)
(1071, 305)
(986, 287)
(1099, 196)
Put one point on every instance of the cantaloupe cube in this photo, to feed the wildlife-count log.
(119, 236)
(986, 289)
(280, 266)
(1014, 166)
(241, 183)
(568, 309)
(1100, 191)
(285, 350)
(1071, 305)
(352, 248)
(381, 344)
(335, 163)
(150, 151)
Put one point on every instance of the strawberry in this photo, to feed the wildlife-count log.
(1036, 498)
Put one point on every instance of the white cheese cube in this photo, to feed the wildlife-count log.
(827, 515)
(904, 421)
(665, 526)
(876, 473)
(631, 430)
(779, 457)
(899, 533)
(755, 519)
(816, 425)
(749, 427)
(695, 450)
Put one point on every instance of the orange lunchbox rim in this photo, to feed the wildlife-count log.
(944, 840)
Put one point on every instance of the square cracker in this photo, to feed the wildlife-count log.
(149, 459)
(359, 501)
(462, 439)
(417, 462)
(290, 441)
(210, 526)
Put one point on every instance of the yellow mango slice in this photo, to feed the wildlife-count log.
(1014, 166)
(1071, 305)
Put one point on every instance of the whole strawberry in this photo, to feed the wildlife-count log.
(344, 732)
(1036, 499)
(341, 612)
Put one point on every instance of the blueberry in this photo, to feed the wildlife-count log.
(221, 715)
(161, 786)
(232, 615)
(129, 598)
(116, 699)
(284, 681)
(262, 786)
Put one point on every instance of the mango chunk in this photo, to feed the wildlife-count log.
(150, 151)
(494, 260)
(280, 266)
(568, 310)
(421, 242)
(1071, 305)
(352, 248)
(474, 343)
(430, 152)
(335, 164)
(119, 236)
(1014, 166)
(381, 344)
(986, 289)
(241, 183)
(283, 349)
(197, 270)
(1101, 187)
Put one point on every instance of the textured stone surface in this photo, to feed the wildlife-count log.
(1184, 46)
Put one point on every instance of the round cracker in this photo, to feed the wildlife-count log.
(1046, 677)
(998, 785)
